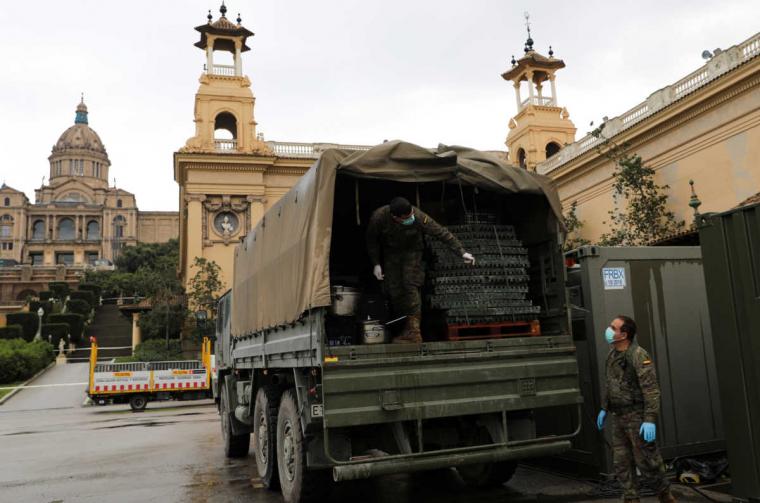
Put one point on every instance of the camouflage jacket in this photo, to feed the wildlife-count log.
(632, 383)
(387, 237)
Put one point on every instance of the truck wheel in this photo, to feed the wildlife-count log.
(235, 446)
(487, 474)
(265, 434)
(298, 484)
(138, 403)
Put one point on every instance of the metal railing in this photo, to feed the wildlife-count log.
(718, 65)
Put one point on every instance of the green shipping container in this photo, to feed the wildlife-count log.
(731, 249)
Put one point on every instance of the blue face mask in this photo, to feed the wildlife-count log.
(609, 334)
(408, 221)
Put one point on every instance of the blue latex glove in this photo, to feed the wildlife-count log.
(648, 432)
(600, 419)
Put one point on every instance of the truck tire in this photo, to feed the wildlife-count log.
(487, 474)
(235, 446)
(298, 484)
(265, 434)
(138, 403)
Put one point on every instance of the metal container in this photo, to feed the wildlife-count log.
(662, 288)
(730, 244)
(345, 300)
(373, 332)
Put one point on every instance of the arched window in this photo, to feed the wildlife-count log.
(225, 131)
(66, 229)
(119, 204)
(521, 157)
(7, 201)
(6, 226)
(552, 148)
(38, 230)
(119, 224)
(93, 230)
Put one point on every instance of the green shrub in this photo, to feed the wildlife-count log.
(84, 295)
(29, 323)
(79, 306)
(46, 295)
(54, 332)
(154, 350)
(74, 321)
(46, 306)
(11, 332)
(91, 287)
(20, 360)
(60, 289)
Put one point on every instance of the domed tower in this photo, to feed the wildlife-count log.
(79, 153)
(541, 127)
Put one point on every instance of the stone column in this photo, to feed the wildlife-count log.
(238, 61)
(210, 55)
(194, 245)
(530, 87)
(554, 90)
(136, 331)
(517, 95)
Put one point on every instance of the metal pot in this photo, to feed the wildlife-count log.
(373, 332)
(345, 300)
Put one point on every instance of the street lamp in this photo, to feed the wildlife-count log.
(38, 335)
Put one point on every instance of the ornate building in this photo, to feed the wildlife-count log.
(704, 127)
(77, 218)
(227, 174)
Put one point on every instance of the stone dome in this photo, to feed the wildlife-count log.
(80, 136)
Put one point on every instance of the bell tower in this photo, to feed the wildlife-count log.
(541, 127)
(224, 120)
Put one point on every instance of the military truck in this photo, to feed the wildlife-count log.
(324, 407)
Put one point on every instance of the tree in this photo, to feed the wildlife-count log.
(640, 215)
(205, 285)
(573, 225)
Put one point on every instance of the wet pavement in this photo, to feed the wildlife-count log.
(52, 449)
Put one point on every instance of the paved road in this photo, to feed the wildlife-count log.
(54, 450)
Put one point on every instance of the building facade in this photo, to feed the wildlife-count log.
(227, 174)
(76, 218)
(704, 127)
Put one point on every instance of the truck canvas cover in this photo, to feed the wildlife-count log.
(282, 266)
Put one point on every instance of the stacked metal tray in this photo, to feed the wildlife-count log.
(495, 289)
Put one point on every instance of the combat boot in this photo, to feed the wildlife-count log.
(411, 333)
(666, 497)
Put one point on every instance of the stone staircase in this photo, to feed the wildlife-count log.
(111, 329)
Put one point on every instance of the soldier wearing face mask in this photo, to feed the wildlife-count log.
(633, 400)
(395, 245)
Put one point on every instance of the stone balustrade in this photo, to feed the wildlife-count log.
(718, 65)
(308, 150)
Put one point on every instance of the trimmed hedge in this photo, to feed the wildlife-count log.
(86, 296)
(29, 323)
(91, 287)
(11, 332)
(20, 360)
(54, 332)
(46, 295)
(59, 288)
(154, 350)
(79, 306)
(46, 306)
(74, 321)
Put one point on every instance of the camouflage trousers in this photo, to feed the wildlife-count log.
(630, 451)
(404, 277)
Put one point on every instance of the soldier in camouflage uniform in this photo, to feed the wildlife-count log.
(396, 234)
(633, 399)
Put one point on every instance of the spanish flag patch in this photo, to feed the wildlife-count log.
(646, 362)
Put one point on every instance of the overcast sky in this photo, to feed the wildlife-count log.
(341, 71)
